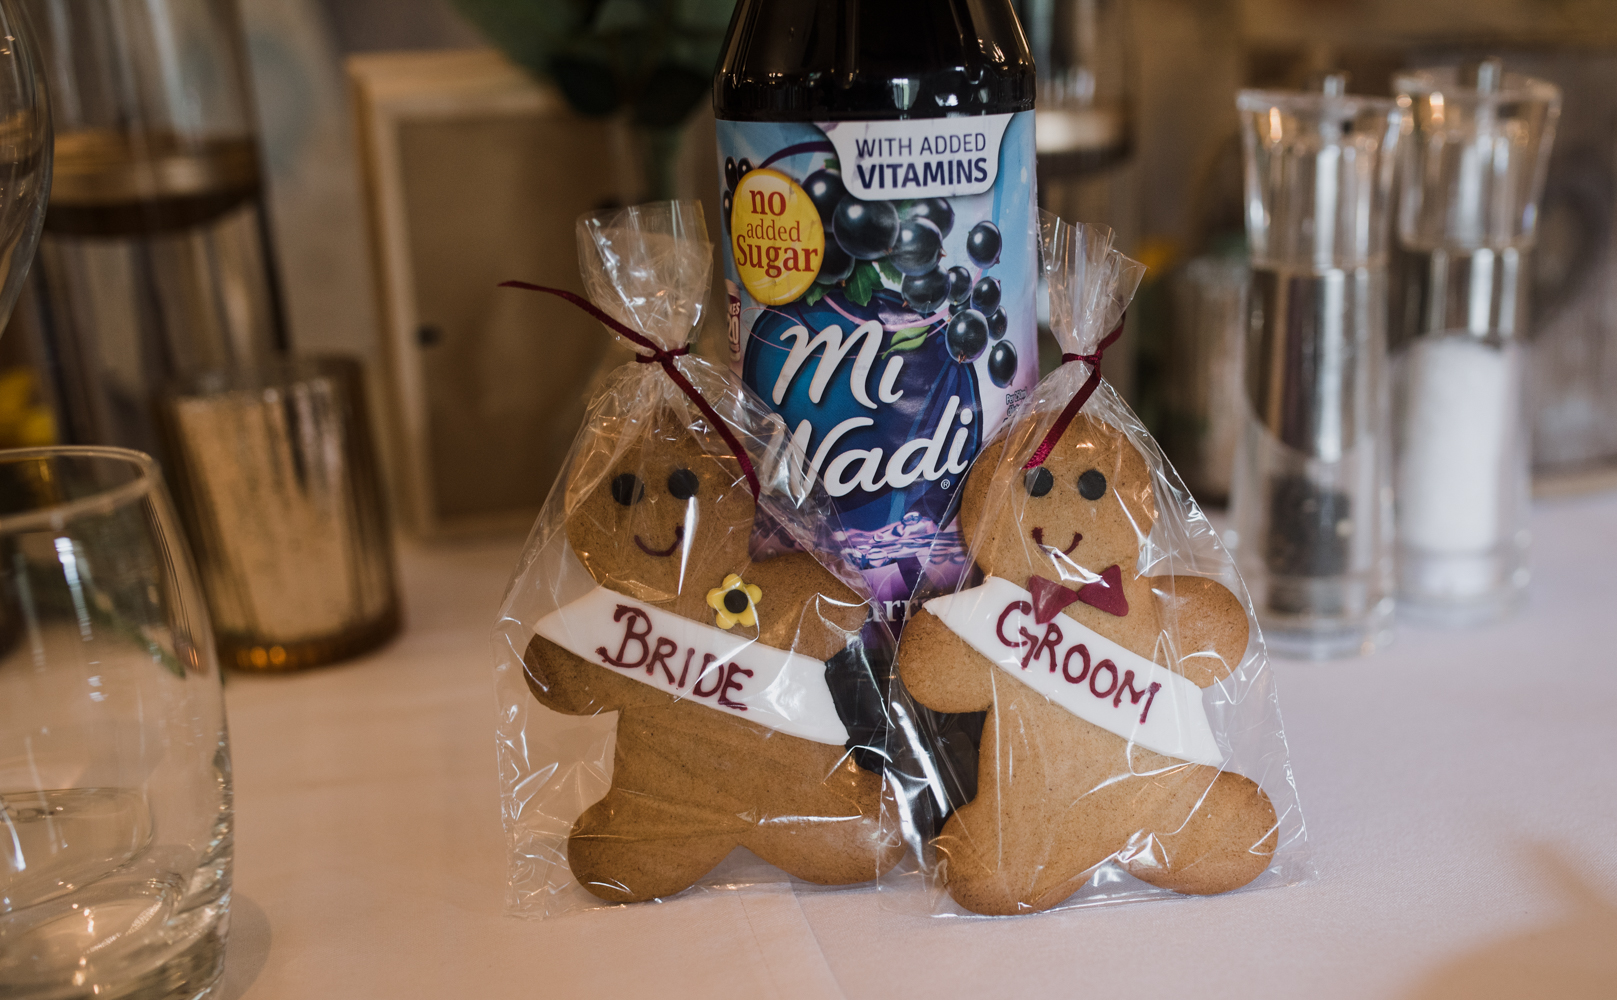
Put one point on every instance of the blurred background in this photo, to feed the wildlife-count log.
(418, 152)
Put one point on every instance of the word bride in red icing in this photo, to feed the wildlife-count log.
(1096, 745)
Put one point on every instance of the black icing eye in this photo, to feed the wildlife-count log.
(627, 489)
(1039, 481)
(735, 602)
(682, 483)
(1092, 485)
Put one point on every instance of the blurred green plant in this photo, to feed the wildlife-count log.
(650, 61)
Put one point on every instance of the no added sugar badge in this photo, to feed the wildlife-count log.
(777, 236)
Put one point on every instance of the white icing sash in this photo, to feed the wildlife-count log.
(1081, 670)
(724, 671)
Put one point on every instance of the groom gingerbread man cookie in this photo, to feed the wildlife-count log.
(1096, 745)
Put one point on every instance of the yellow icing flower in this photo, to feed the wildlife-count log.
(735, 603)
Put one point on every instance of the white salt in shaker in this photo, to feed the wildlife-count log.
(1472, 176)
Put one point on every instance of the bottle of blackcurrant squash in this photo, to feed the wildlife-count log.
(881, 251)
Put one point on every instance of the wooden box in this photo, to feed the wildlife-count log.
(474, 174)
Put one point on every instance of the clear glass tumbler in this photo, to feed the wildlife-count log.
(115, 800)
(1311, 497)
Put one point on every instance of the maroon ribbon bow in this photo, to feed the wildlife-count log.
(1080, 397)
(658, 356)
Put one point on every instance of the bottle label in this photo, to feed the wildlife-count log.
(881, 280)
(919, 158)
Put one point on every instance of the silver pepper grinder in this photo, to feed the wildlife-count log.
(1311, 503)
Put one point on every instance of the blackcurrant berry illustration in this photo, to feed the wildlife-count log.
(867, 230)
(918, 248)
(983, 243)
(743, 165)
(1002, 363)
(959, 285)
(997, 324)
(926, 293)
(967, 335)
(826, 190)
(837, 266)
(985, 295)
(727, 200)
(731, 174)
(934, 210)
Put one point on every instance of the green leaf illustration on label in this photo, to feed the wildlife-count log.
(907, 339)
(863, 283)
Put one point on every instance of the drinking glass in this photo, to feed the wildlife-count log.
(277, 480)
(115, 800)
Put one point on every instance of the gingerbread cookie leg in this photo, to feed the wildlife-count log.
(1224, 837)
(627, 848)
(839, 841)
(671, 814)
(1187, 827)
(1036, 774)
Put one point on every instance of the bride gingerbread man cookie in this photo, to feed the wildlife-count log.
(734, 726)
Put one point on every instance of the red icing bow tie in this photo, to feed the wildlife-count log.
(1106, 594)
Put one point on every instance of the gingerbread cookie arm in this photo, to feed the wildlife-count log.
(572, 685)
(1210, 622)
(941, 669)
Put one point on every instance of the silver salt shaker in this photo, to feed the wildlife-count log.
(1473, 167)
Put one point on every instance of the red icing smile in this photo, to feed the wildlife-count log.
(1038, 539)
(679, 536)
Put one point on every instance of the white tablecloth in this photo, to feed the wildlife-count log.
(1458, 789)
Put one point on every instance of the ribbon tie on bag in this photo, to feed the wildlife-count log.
(658, 356)
(1080, 397)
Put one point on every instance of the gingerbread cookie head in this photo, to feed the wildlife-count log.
(1088, 507)
(665, 516)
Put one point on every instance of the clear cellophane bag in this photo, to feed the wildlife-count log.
(1132, 745)
(685, 679)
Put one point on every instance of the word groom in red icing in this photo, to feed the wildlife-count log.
(1050, 642)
